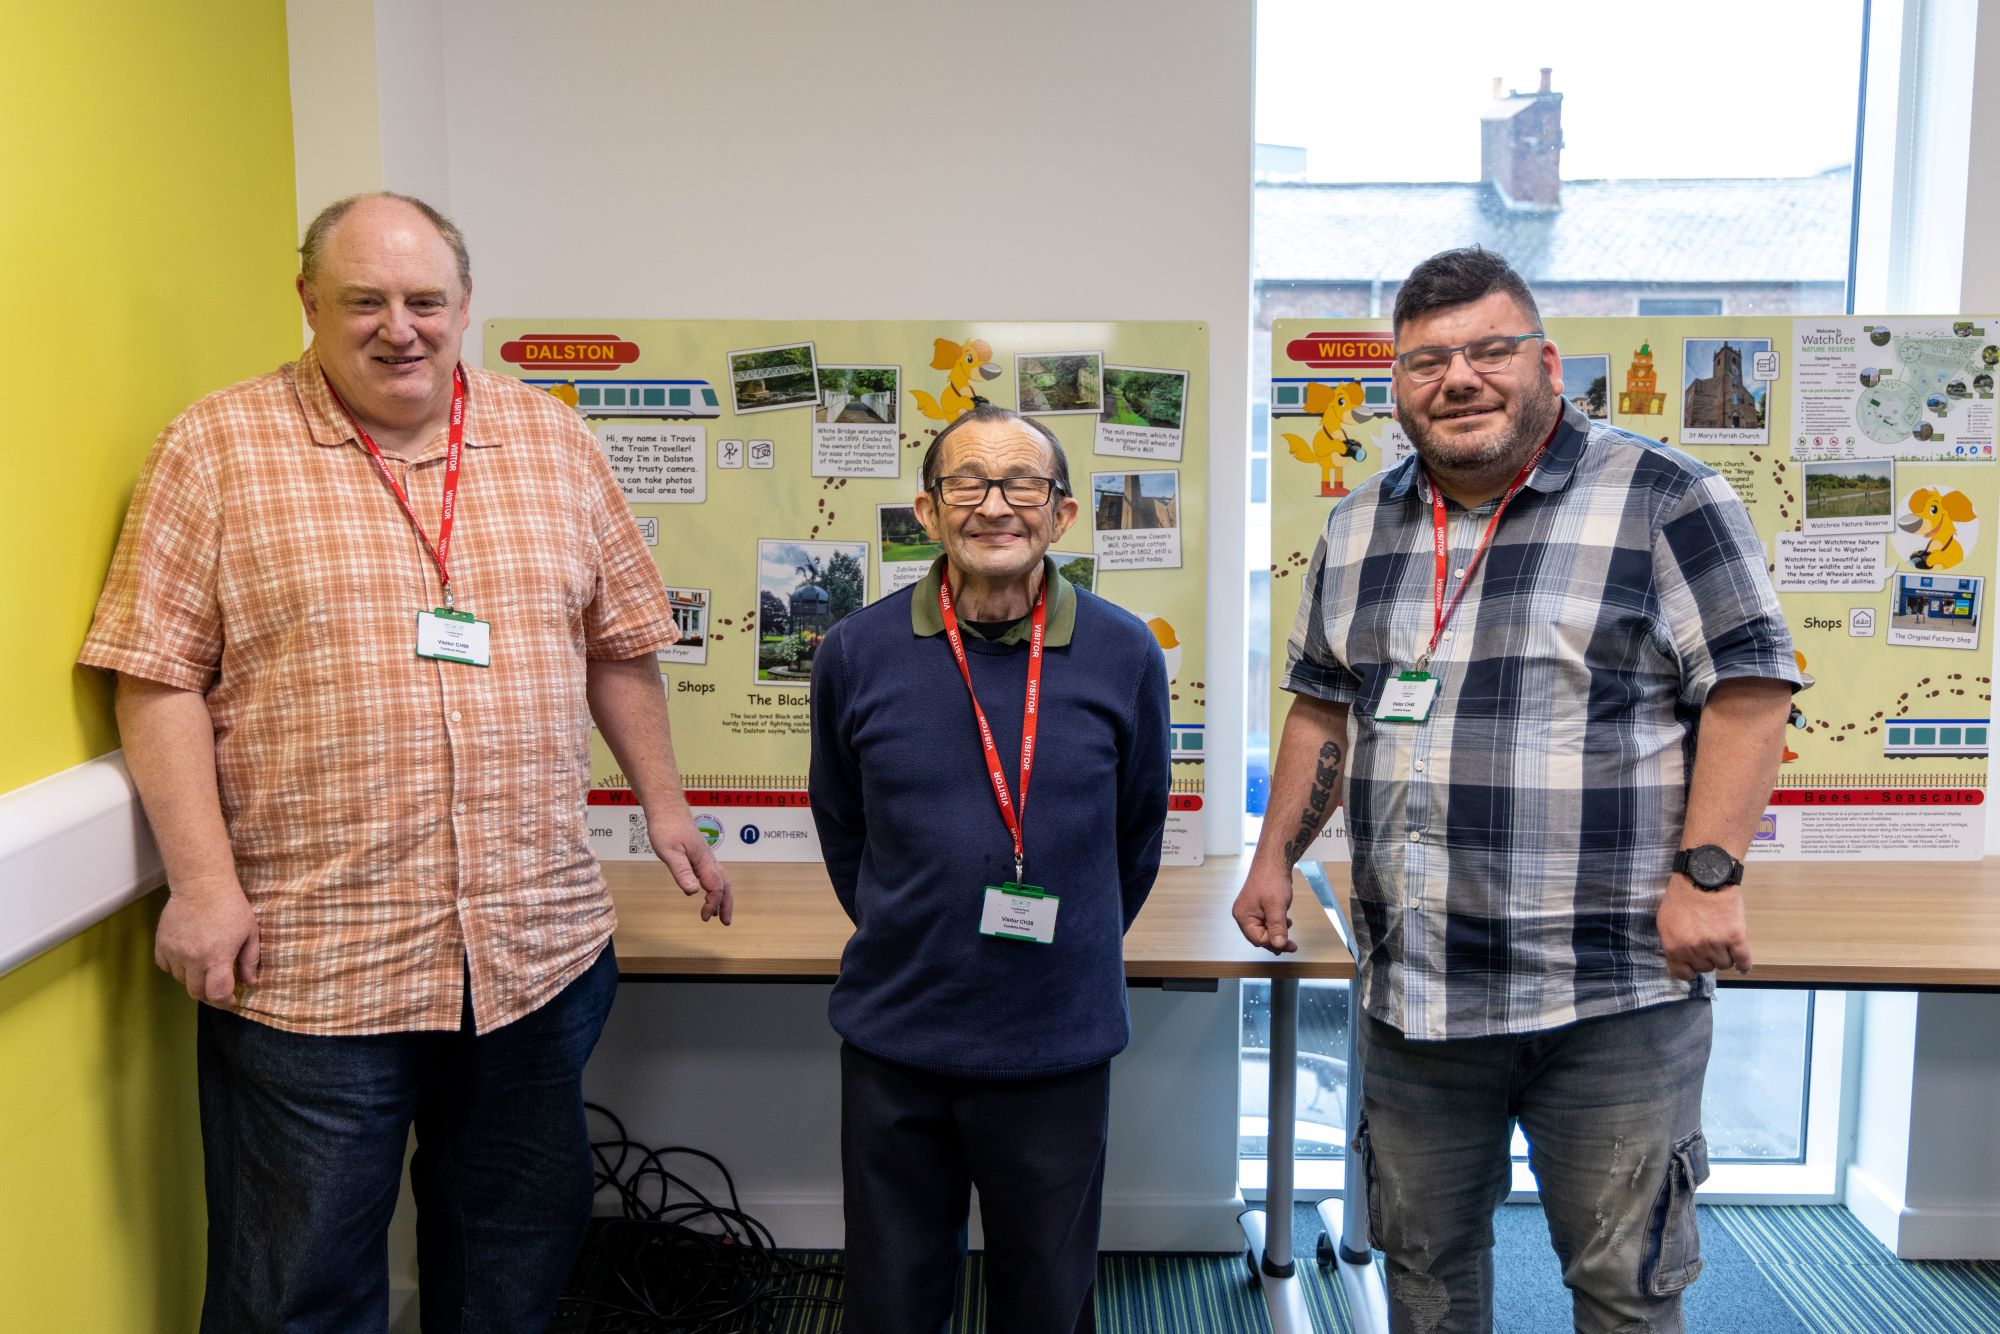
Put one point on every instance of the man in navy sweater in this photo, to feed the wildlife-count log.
(982, 996)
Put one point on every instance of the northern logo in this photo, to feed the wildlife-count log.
(749, 833)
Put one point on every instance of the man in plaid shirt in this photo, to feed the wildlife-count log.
(356, 699)
(1566, 678)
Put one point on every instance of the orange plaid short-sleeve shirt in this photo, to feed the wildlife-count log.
(397, 822)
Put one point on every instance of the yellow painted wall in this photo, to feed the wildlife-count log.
(146, 226)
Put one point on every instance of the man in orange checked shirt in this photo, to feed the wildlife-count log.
(363, 613)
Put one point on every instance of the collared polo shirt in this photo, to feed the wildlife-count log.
(927, 618)
(1510, 854)
(398, 823)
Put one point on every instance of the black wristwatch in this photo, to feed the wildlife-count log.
(1709, 867)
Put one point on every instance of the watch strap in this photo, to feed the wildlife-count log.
(1684, 864)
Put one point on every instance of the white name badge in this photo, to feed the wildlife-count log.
(454, 636)
(1408, 698)
(1019, 912)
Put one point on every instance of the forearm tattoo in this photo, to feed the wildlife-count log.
(1319, 802)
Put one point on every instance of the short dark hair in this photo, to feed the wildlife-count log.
(1457, 278)
(993, 413)
(323, 224)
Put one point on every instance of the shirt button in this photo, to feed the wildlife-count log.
(1416, 836)
(1447, 634)
(461, 808)
(1420, 766)
(454, 715)
(1458, 574)
(463, 904)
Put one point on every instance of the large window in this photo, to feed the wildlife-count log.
(1630, 161)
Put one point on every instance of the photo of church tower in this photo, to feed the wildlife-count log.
(1722, 401)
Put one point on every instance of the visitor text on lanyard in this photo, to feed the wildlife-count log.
(1010, 812)
(445, 633)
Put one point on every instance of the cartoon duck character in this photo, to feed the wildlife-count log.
(564, 392)
(1170, 644)
(1336, 405)
(963, 360)
(1935, 516)
(1797, 718)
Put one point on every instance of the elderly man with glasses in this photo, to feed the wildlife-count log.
(982, 996)
(1565, 678)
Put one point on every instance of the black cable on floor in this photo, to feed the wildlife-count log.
(673, 1265)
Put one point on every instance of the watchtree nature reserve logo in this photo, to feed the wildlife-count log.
(710, 827)
(569, 352)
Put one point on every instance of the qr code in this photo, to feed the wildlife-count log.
(641, 845)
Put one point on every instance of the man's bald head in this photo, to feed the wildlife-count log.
(321, 227)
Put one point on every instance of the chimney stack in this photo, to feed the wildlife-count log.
(1520, 148)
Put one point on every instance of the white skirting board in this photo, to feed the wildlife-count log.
(74, 849)
(1921, 1232)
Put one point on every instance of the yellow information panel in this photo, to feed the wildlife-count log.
(1863, 448)
(772, 466)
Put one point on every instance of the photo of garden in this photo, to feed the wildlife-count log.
(803, 589)
(903, 538)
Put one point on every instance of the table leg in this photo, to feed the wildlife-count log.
(1346, 1219)
(1269, 1230)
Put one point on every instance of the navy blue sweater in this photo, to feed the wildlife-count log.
(912, 836)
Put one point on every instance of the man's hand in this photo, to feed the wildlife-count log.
(678, 844)
(1263, 908)
(1701, 932)
(208, 939)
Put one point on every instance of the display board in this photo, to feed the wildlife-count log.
(1863, 449)
(772, 467)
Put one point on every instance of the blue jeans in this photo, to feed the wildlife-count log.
(1611, 1109)
(304, 1137)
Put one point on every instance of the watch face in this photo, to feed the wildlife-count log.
(1709, 866)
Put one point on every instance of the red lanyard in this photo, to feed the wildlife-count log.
(454, 453)
(1029, 717)
(1440, 609)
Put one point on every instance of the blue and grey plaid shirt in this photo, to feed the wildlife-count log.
(1511, 852)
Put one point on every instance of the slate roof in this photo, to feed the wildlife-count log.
(1712, 230)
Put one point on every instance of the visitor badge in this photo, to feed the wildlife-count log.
(454, 636)
(1019, 912)
(1408, 698)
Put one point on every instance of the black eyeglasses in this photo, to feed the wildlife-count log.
(968, 492)
(1424, 364)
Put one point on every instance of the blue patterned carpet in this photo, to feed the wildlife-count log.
(1767, 1270)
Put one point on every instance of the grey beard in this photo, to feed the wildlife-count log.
(1509, 450)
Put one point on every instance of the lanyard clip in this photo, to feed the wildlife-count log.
(447, 597)
(1017, 870)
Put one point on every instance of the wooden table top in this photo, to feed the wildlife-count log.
(1829, 924)
(789, 925)
(1898, 925)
